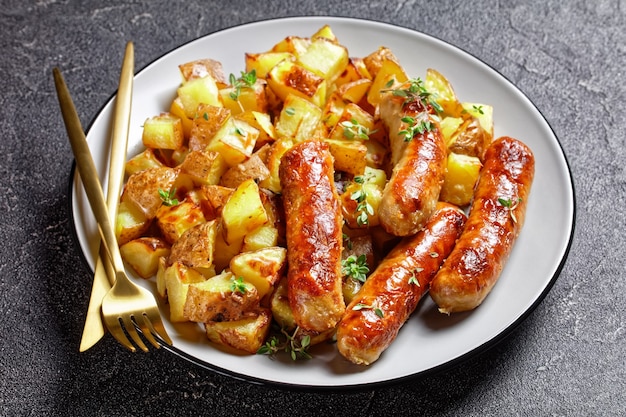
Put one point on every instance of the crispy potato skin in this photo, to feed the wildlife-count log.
(314, 236)
(475, 264)
(362, 335)
(195, 247)
(142, 188)
(472, 140)
(419, 165)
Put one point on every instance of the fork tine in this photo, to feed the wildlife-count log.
(143, 322)
(153, 317)
(118, 333)
(129, 326)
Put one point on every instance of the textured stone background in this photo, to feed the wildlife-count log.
(567, 358)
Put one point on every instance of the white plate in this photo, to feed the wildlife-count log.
(429, 340)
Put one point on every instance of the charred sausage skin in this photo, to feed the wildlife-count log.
(396, 287)
(496, 217)
(314, 235)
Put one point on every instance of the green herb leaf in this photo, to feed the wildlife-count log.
(354, 130)
(413, 278)
(168, 197)
(358, 196)
(238, 285)
(377, 310)
(414, 127)
(478, 109)
(412, 91)
(296, 347)
(435, 105)
(348, 241)
(416, 91)
(363, 209)
(511, 205)
(246, 80)
(355, 267)
(270, 347)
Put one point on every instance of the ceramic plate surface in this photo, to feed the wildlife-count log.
(429, 340)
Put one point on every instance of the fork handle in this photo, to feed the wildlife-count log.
(87, 170)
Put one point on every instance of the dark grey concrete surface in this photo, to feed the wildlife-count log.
(568, 358)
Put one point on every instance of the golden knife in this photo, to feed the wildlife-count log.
(103, 276)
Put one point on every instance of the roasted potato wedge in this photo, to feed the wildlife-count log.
(470, 139)
(247, 334)
(461, 177)
(201, 68)
(243, 212)
(177, 278)
(144, 160)
(223, 297)
(195, 246)
(130, 223)
(299, 118)
(251, 169)
(204, 167)
(263, 268)
(174, 220)
(143, 253)
(198, 91)
(142, 189)
(164, 131)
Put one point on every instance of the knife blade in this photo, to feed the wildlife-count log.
(94, 329)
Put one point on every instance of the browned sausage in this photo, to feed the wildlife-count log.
(419, 165)
(396, 286)
(495, 220)
(314, 235)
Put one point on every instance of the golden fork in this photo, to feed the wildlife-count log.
(104, 276)
(126, 306)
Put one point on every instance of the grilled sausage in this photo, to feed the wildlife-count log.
(419, 164)
(391, 293)
(495, 219)
(314, 235)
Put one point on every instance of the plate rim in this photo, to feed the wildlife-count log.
(450, 364)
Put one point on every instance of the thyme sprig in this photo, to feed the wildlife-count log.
(355, 267)
(246, 80)
(413, 278)
(511, 205)
(168, 197)
(477, 108)
(363, 209)
(415, 126)
(348, 242)
(352, 129)
(414, 91)
(238, 285)
(362, 306)
(289, 343)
